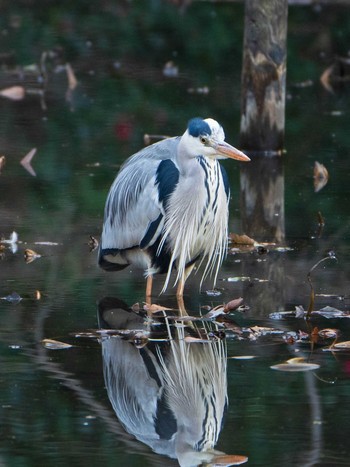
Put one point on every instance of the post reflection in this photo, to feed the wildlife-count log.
(262, 198)
(166, 380)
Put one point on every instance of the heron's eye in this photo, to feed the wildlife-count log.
(203, 139)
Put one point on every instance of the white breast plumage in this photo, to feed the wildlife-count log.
(205, 236)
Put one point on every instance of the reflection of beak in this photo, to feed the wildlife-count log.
(227, 150)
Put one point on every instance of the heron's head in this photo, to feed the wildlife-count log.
(207, 138)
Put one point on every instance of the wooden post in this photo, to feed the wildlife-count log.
(264, 75)
(262, 118)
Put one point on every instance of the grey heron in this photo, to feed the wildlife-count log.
(168, 206)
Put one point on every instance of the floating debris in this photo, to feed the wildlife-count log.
(328, 333)
(331, 312)
(325, 79)
(155, 308)
(304, 84)
(283, 249)
(225, 460)
(198, 340)
(13, 238)
(320, 176)
(242, 357)
(14, 297)
(15, 93)
(213, 293)
(12, 242)
(2, 162)
(47, 243)
(93, 243)
(55, 345)
(26, 162)
(170, 70)
(342, 345)
(72, 80)
(140, 340)
(263, 331)
(326, 312)
(238, 279)
(204, 90)
(295, 364)
(233, 305)
(148, 139)
(30, 255)
(242, 239)
(320, 219)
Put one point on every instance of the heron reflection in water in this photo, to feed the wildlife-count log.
(168, 206)
(169, 394)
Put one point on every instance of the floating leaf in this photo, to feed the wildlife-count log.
(155, 308)
(72, 80)
(93, 243)
(15, 93)
(233, 305)
(342, 345)
(328, 333)
(30, 255)
(215, 312)
(2, 162)
(320, 176)
(325, 78)
(296, 360)
(26, 162)
(55, 345)
(242, 239)
(320, 219)
(295, 364)
(225, 460)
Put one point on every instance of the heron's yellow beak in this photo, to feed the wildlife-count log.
(229, 151)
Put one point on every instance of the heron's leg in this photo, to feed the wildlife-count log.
(181, 286)
(180, 290)
(149, 289)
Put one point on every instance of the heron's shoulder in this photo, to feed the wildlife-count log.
(157, 152)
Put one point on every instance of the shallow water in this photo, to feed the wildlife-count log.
(54, 406)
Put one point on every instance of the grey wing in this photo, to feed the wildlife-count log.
(134, 211)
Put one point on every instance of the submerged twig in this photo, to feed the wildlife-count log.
(330, 255)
